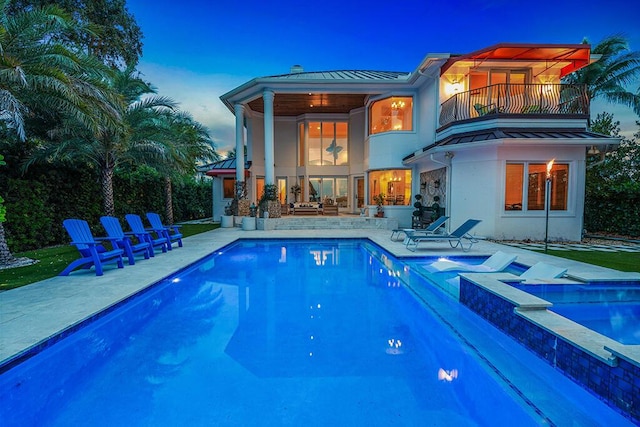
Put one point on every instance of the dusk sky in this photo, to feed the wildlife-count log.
(195, 51)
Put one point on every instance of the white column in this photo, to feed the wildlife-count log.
(269, 166)
(239, 110)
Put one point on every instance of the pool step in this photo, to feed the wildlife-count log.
(326, 223)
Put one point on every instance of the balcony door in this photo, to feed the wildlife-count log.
(508, 89)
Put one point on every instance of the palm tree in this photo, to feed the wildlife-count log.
(178, 143)
(116, 143)
(191, 144)
(609, 77)
(39, 74)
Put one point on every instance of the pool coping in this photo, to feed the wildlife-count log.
(535, 310)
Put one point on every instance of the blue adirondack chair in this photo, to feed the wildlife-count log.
(121, 239)
(91, 250)
(135, 223)
(171, 233)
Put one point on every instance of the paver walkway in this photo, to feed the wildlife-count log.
(613, 247)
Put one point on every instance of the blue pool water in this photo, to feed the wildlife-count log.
(287, 333)
(611, 309)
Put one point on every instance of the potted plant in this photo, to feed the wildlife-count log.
(379, 201)
(295, 190)
(226, 220)
(435, 208)
(418, 213)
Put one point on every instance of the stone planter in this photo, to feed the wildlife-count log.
(226, 221)
(274, 209)
(248, 223)
(243, 207)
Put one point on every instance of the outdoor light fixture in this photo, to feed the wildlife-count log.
(453, 88)
(547, 194)
(593, 150)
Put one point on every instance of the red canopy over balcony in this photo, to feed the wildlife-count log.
(575, 56)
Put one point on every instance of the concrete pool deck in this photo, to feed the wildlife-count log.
(31, 314)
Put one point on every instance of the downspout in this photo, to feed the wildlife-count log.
(447, 164)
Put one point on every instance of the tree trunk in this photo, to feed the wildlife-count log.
(6, 258)
(168, 200)
(106, 177)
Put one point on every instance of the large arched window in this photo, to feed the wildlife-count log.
(391, 114)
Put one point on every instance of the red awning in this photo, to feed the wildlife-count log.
(577, 55)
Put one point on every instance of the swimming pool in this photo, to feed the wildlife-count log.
(611, 309)
(285, 333)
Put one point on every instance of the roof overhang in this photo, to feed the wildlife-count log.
(552, 137)
(575, 56)
(316, 92)
(225, 167)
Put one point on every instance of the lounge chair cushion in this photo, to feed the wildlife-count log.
(542, 270)
(496, 262)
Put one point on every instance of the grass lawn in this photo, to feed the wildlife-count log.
(622, 261)
(54, 260)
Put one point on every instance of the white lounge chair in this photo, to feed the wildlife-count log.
(456, 238)
(496, 262)
(542, 271)
(431, 229)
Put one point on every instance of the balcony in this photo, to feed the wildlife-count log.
(521, 100)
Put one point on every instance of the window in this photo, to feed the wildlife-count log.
(228, 188)
(259, 188)
(327, 144)
(333, 188)
(391, 114)
(282, 190)
(393, 184)
(534, 184)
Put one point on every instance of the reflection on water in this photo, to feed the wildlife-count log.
(267, 333)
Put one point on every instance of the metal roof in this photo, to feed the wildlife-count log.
(342, 75)
(502, 133)
(222, 167)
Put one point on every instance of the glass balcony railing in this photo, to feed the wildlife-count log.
(510, 99)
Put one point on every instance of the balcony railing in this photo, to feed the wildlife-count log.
(548, 99)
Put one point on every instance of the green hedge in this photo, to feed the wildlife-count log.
(38, 202)
(616, 212)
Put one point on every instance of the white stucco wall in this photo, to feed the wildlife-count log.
(428, 110)
(356, 141)
(477, 191)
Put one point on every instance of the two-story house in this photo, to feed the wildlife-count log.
(476, 130)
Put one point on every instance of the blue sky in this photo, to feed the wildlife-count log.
(195, 51)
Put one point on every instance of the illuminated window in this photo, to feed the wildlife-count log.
(333, 188)
(259, 188)
(327, 144)
(516, 194)
(228, 187)
(393, 184)
(391, 114)
(282, 190)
